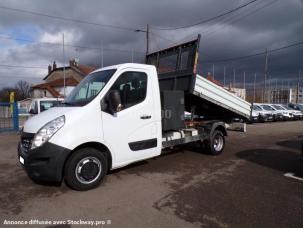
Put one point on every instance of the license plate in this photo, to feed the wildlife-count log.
(21, 159)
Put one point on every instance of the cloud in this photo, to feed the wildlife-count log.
(248, 31)
(69, 37)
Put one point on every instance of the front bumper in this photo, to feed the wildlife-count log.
(266, 117)
(298, 117)
(45, 163)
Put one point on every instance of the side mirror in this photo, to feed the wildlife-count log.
(114, 102)
(32, 111)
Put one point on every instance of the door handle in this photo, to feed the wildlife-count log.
(145, 117)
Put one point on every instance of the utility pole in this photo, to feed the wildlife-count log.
(63, 56)
(147, 39)
(132, 55)
(255, 87)
(213, 71)
(265, 75)
(282, 92)
(298, 87)
(269, 89)
(276, 92)
(234, 82)
(102, 55)
(244, 85)
(224, 75)
(244, 77)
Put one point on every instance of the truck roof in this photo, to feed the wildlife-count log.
(127, 65)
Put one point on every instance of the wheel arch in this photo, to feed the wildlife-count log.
(221, 128)
(96, 145)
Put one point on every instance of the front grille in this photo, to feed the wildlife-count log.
(26, 140)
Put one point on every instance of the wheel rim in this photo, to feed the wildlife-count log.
(88, 170)
(218, 142)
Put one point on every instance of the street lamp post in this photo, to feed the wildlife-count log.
(147, 37)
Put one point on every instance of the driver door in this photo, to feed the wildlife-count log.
(131, 133)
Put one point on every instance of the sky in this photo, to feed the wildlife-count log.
(34, 41)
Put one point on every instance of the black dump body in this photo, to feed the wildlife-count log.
(176, 67)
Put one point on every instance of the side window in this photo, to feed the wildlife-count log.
(132, 87)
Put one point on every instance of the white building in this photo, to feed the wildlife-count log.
(284, 96)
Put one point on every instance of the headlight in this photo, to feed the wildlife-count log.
(47, 131)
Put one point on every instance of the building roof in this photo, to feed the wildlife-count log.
(80, 68)
(74, 65)
(56, 83)
(211, 78)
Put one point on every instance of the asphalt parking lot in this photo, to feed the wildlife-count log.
(250, 185)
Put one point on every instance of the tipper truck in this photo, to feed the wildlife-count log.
(125, 113)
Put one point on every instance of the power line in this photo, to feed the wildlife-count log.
(253, 55)
(238, 17)
(232, 19)
(210, 19)
(67, 45)
(67, 19)
(19, 66)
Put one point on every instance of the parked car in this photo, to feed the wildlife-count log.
(277, 115)
(42, 104)
(297, 115)
(260, 115)
(298, 107)
(287, 115)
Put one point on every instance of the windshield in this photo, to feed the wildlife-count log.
(45, 105)
(89, 88)
(278, 107)
(287, 107)
(267, 108)
(257, 108)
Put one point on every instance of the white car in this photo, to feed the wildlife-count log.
(277, 115)
(297, 115)
(260, 115)
(287, 115)
(39, 105)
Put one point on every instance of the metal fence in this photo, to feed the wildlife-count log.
(9, 117)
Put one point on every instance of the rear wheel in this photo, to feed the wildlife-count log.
(215, 145)
(85, 169)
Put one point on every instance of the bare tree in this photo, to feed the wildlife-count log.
(23, 90)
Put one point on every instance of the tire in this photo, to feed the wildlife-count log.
(91, 165)
(212, 145)
(261, 119)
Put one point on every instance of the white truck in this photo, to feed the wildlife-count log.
(126, 113)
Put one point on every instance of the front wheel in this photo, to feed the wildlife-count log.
(215, 145)
(85, 169)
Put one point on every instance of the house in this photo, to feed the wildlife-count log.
(54, 80)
